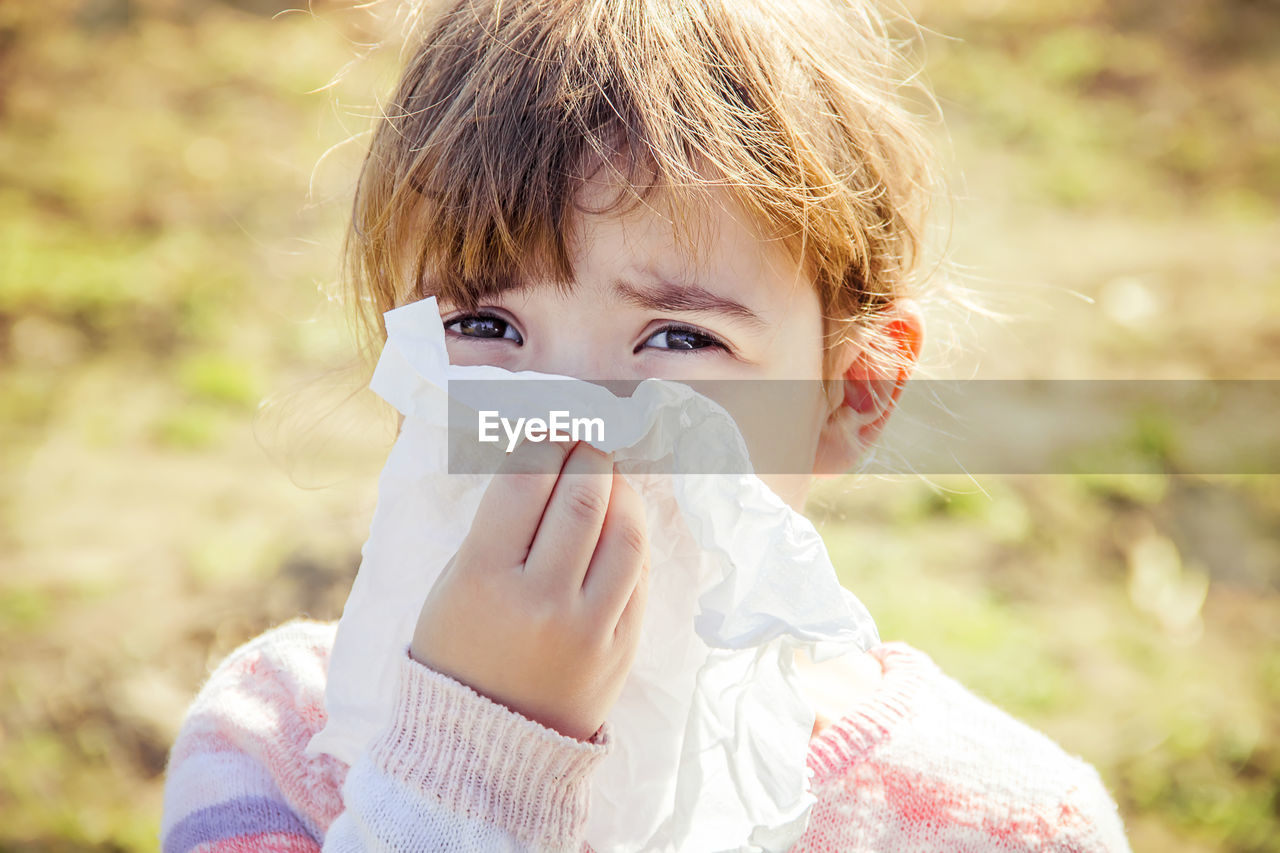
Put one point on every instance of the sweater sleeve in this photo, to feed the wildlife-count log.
(455, 771)
(452, 771)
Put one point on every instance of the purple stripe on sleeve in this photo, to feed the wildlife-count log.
(241, 816)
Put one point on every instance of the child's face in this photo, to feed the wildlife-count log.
(644, 306)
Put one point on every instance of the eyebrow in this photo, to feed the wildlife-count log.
(668, 296)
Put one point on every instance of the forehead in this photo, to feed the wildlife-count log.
(701, 233)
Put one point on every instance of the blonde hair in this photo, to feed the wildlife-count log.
(505, 108)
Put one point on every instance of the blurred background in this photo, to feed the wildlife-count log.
(172, 191)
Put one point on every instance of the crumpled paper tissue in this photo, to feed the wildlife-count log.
(710, 732)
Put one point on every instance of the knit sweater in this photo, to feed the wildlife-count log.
(920, 764)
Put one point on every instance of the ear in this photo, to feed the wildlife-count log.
(872, 372)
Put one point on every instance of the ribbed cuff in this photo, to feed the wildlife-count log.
(481, 759)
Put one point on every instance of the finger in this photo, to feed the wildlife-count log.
(513, 504)
(628, 630)
(570, 527)
(623, 548)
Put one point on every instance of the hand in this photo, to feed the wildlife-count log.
(540, 609)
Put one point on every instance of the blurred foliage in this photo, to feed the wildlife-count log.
(166, 242)
(1129, 104)
(1090, 607)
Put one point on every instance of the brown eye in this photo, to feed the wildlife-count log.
(484, 326)
(682, 338)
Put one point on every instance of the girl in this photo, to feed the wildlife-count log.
(688, 189)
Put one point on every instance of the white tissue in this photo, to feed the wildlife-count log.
(711, 731)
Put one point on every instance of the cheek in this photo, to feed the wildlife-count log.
(782, 415)
(780, 421)
(467, 353)
(796, 350)
(784, 439)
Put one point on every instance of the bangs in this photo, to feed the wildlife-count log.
(473, 179)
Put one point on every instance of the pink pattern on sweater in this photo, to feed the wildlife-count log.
(922, 764)
(265, 842)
